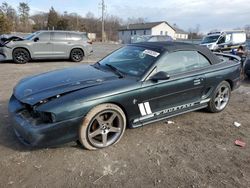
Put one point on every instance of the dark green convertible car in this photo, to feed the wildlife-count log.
(133, 86)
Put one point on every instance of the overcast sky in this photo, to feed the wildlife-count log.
(209, 14)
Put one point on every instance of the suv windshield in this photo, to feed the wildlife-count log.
(210, 39)
(131, 60)
(30, 36)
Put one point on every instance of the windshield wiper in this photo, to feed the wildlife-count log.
(119, 73)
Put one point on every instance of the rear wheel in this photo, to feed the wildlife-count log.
(220, 97)
(76, 55)
(21, 56)
(103, 126)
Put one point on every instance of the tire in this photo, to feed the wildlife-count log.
(220, 98)
(21, 56)
(76, 55)
(103, 126)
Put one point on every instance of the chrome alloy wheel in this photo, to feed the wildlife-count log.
(222, 97)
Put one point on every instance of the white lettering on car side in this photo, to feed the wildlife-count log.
(147, 113)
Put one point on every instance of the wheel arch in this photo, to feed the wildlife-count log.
(21, 48)
(230, 83)
(77, 47)
(117, 104)
(124, 111)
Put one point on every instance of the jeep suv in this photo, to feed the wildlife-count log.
(46, 45)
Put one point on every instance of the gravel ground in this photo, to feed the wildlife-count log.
(196, 151)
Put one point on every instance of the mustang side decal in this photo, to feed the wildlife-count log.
(145, 108)
(147, 113)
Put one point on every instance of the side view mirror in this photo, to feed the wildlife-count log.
(36, 39)
(160, 76)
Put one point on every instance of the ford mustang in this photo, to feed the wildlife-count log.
(135, 85)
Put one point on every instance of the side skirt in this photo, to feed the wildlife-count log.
(168, 116)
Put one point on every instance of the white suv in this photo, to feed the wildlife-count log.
(46, 45)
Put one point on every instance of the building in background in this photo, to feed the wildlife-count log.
(180, 34)
(151, 28)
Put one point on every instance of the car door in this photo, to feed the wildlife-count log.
(224, 42)
(41, 46)
(182, 91)
(60, 44)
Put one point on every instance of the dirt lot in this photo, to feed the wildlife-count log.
(197, 151)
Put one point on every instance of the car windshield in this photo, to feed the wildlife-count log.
(30, 36)
(150, 38)
(143, 38)
(131, 60)
(210, 39)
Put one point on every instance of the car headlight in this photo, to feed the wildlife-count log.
(47, 117)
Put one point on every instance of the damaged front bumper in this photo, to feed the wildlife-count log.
(5, 53)
(42, 135)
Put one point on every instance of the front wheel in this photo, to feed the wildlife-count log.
(220, 97)
(21, 56)
(76, 55)
(103, 126)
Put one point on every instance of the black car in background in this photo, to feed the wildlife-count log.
(136, 85)
(247, 67)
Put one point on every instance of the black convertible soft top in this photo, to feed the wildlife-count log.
(177, 46)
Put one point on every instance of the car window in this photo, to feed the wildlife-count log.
(44, 36)
(203, 61)
(29, 37)
(222, 40)
(85, 36)
(59, 36)
(75, 36)
(153, 39)
(181, 61)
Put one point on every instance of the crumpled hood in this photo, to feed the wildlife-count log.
(33, 89)
(7, 39)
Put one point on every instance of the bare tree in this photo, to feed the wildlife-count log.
(133, 20)
(23, 10)
(41, 20)
(10, 14)
(194, 33)
(5, 27)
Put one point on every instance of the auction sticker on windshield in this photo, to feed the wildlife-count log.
(151, 53)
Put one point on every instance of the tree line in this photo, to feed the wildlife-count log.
(20, 20)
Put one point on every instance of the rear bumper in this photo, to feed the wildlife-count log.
(44, 134)
(89, 50)
(236, 84)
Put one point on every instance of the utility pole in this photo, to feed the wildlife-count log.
(103, 31)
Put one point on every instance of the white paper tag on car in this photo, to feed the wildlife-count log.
(151, 53)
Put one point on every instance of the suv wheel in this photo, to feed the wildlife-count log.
(21, 56)
(76, 55)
